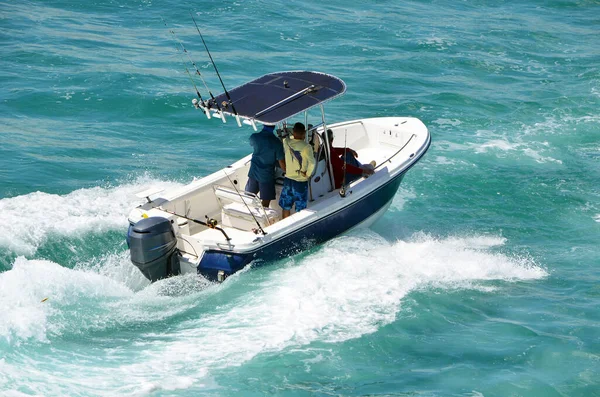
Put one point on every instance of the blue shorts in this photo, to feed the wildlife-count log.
(266, 189)
(293, 192)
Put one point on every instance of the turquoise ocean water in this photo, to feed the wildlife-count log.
(482, 279)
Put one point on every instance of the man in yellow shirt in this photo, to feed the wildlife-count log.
(299, 165)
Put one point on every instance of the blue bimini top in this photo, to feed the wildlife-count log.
(278, 96)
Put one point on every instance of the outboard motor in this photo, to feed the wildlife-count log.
(153, 248)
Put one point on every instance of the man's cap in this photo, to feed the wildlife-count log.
(268, 127)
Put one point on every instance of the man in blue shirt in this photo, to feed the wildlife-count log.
(268, 150)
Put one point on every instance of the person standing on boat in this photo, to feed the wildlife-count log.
(267, 152)
(300, 163)
(354, 168)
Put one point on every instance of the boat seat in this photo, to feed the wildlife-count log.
(239, 209)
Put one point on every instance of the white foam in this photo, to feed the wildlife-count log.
(539, 158)
(502, 145)
(597, 218)
(118, 267)
(29, 282)
(14, 393)
(451, 122)
(448, 146)
(99, 294)
(558, 123)
(350, 287)
(403, 195)
(442, 160)
(498, 144)
(26, 221)
(437, 43)
(466, 242)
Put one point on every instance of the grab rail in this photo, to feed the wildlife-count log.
(342, 189)
(393, 155)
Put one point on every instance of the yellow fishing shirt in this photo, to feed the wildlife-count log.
(298, 157)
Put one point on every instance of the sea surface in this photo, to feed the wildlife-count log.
(481, 280)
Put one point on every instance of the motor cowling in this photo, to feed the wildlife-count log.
(153, 248)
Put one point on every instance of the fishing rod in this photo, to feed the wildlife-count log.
(310, 142)
(185, 67)
(237, 116)
(343, 189)
(327, 150)
(206, 104)
(210, 223)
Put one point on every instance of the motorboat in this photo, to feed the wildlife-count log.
(214, 228)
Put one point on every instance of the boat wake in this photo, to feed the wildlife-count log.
(349, 287)
(356, 284)
(27, 221)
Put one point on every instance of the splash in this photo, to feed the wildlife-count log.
(118, 267)
(50, 301)
(349, 287)
(27, 221)
(38, 289)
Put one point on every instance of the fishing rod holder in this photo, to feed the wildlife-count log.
(206, 109)
(202, 106)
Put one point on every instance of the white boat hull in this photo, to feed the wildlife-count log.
(396, 144)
